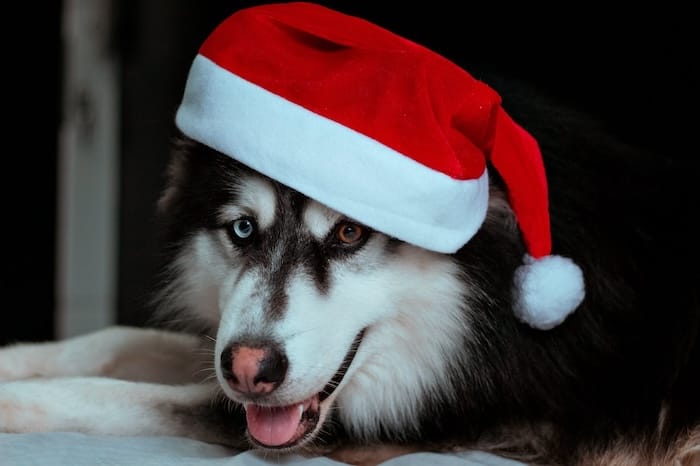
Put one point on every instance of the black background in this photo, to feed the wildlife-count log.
(636, 70)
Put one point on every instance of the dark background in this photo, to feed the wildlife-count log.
(636, 70)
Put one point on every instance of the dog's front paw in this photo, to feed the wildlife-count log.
(22, 361)
(20, 409)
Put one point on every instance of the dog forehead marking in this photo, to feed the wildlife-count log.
(258, 195)
(319, 219)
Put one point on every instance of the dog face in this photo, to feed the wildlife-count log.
(310, 309)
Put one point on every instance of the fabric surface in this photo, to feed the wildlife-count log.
(361, 119)
(74, 449)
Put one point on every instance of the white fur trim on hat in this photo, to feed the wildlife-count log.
(339, 167)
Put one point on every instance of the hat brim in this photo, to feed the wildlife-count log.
(331, 163)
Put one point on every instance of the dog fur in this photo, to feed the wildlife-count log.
(442, 362)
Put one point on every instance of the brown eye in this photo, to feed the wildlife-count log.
(349, 233)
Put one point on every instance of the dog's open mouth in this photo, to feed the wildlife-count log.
(286, 426)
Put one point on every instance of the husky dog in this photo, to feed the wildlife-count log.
(319, 331)
(298, 328)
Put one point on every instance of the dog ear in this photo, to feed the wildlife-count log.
(499, 211)
(175, 172)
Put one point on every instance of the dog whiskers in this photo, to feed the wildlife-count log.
(206, 352)
(210, 373)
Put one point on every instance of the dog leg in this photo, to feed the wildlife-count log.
(128, 353)
(102, 406)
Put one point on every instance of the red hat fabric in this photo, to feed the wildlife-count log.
(367, 122)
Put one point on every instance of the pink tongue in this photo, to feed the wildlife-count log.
(273, 426)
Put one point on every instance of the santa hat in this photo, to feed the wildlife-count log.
(379, 128)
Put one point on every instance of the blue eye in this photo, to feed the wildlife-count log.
(242, 231)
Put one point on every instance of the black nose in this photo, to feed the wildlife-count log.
(253, 368)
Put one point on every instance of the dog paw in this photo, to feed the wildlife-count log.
(18, 418)
(18, 362)
(19, 412)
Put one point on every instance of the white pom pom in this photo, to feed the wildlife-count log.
(547, 290)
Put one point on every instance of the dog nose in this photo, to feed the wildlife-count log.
(253, 369)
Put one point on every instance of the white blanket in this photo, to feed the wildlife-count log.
(72, 449)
